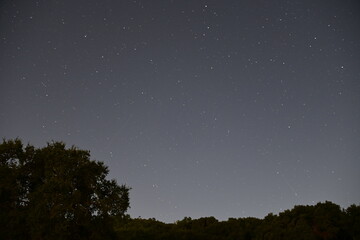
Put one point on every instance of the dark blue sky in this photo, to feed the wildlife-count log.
(205, 108)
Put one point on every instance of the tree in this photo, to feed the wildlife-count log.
(56, 193)
(353, 221)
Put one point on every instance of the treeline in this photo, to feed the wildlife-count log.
(323, 221)
(56, 192)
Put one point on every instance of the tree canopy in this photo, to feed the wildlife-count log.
(56, 192)
(323, 221)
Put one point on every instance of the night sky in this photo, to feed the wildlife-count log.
(205, 108)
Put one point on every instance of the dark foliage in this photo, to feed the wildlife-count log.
(59, 193)
(56, 193)
(324, 221)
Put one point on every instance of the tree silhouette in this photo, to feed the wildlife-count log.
(56, 193)
(59, 193)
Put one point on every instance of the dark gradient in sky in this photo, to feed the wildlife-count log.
(205, 108)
